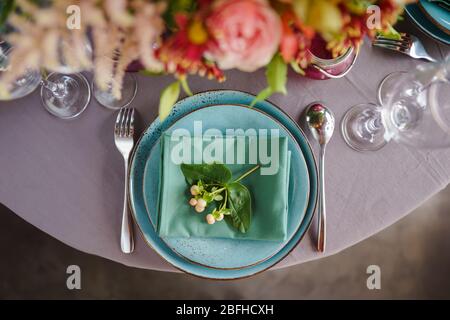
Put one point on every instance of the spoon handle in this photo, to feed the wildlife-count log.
(321, 226)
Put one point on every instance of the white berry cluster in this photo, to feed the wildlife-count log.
(202, 197)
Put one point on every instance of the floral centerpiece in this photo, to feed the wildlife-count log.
(185, 37)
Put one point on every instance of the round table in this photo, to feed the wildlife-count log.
(66, 177)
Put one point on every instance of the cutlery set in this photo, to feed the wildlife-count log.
(319, 119)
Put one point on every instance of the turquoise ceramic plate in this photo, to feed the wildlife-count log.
(231, 253)
(143, 151)
(420, 19)
(437, 14)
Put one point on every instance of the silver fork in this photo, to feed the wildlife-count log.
(123, 137)
(407, 44)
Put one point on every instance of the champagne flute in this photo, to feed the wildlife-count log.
(414, 110)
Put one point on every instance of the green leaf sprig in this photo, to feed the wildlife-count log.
(276, 75)
(170, 95)
(168, 98)
(212, 184)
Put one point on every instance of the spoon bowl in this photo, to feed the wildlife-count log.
(320, 121)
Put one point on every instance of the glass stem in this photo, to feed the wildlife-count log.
(369, 127)
(59, 90)
(374, 124)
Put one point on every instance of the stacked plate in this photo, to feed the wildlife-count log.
(432, 17)
(222, 258)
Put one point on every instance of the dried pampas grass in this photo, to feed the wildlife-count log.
(113, 34)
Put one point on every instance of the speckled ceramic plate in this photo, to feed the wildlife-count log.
(142, 153)
(421, 20)
(438, 15)
(231, 253)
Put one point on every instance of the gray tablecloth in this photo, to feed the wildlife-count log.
(66, 177)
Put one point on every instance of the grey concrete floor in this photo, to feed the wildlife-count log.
(413, 254)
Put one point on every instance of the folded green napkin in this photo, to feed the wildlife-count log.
(269, 192)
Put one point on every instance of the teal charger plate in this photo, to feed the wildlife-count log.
(420, 19)
(151, 136)
(438, 15)
(231, 253)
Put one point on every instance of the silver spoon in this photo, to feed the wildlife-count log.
(320, 121)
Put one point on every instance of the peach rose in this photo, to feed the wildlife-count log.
(246, 34)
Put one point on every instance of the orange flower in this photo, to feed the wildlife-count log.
(183, 52)
(295, 40)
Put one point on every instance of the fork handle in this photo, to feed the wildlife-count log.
(126, 233)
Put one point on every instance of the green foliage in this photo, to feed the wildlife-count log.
(6, 7)
(150, 73)
(168, 98)
(207, 173)
(276, 75)
(175, 7)
(296, 67)
(391, 33)
(358, 7)
(185, 86)
(240, 205)
(170, 94)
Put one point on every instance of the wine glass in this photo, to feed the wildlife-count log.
(23, 85)
(106, 97)
(386, 85)
(65, 93)
(414, 110)
(65, 96)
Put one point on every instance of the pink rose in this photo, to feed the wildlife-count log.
(246, 33)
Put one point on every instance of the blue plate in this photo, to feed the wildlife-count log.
(420, 19)
(151, 137)
(437, 14)
(231, 253)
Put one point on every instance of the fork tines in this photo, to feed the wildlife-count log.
(402, 44)
(124, 126)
